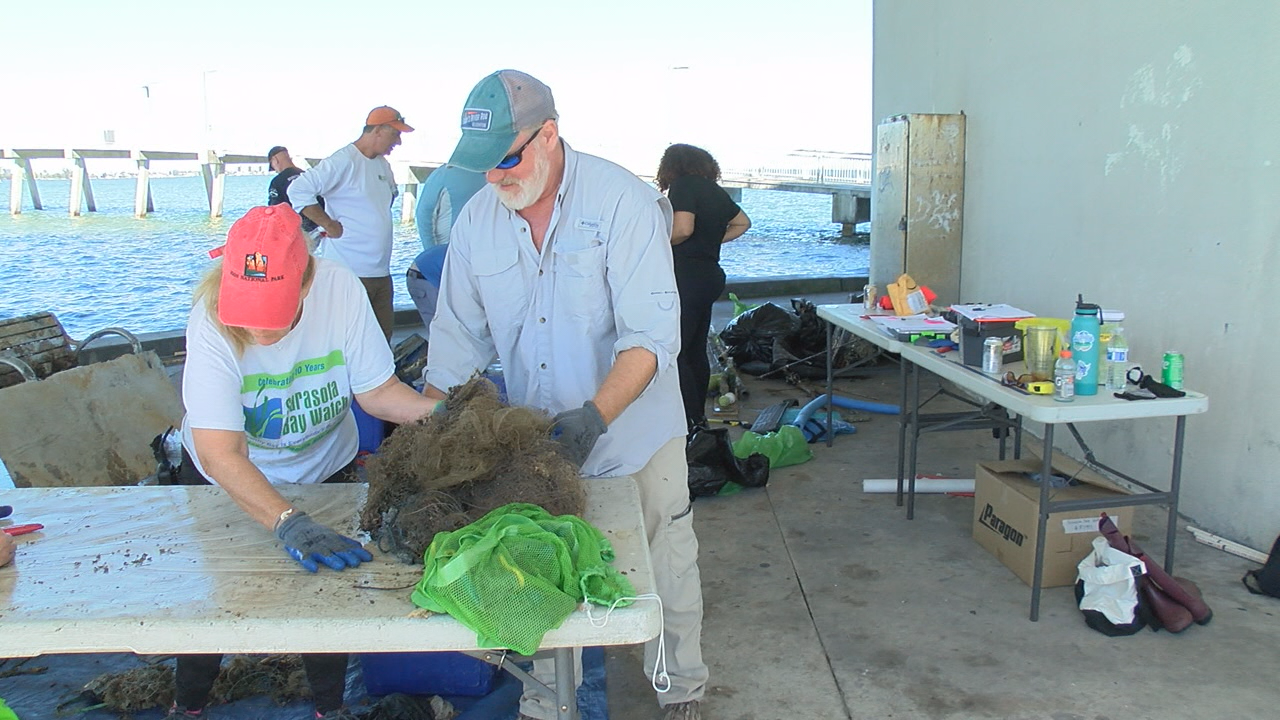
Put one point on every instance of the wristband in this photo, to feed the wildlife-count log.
(283, 516)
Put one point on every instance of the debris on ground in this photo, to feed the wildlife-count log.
(453, 467)
(280, 677)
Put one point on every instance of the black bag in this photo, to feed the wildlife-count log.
(750, 336)
(1267, 579)
(712, 464)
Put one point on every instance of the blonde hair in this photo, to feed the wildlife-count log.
(208, 289)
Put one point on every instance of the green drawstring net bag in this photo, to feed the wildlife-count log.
(517, 573)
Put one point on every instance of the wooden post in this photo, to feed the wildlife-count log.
(30, 178)
(142, 196)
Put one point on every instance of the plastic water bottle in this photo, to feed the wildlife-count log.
(1064, 377)
(1084, 346)
(1117, 361)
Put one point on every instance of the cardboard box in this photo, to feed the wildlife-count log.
(1006, 509)
(974, 333)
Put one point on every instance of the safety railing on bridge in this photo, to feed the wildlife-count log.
(845, 169)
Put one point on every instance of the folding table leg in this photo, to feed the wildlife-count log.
(903, 414)
(830, 384)
(915, 441)
(566, 693)
(1175, 483)
(1042, 523)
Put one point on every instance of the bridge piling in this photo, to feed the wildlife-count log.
(848, 209)
(142, 202)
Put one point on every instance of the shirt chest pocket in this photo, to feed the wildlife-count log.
(581, 274)
(500, 283)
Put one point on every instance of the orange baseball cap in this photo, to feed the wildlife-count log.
(386, 115)
(265, 259)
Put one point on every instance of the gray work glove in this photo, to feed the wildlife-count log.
(577, 431)
(308, 541)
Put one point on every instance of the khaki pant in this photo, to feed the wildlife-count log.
(380, 295)
(673, 546)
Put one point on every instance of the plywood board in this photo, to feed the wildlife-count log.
(91, 425)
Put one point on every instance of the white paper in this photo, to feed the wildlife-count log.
(984, 311)
(895, 325)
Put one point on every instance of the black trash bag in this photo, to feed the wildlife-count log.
(750, 336)
(712, 464)
(803, 351)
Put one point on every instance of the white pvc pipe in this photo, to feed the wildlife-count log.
(923, 485)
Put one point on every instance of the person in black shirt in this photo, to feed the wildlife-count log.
(705, 218)
(279, 160)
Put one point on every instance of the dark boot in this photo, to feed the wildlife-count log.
(1170, 615)
(1174, 590)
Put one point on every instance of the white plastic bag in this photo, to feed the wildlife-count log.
(1110, 582)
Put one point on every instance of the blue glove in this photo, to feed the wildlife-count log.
(578, 430)
(308, 541)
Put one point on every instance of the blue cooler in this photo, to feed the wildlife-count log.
(426, 673)
(371, 429)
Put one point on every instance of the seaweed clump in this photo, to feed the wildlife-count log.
(281, 677)
(449, 469)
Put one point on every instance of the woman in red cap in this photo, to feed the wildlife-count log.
(278, 344)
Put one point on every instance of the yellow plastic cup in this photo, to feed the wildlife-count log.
(1042, 339)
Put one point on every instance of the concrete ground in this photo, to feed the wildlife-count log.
(824, 602)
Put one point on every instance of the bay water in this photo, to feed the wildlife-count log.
(108, 268)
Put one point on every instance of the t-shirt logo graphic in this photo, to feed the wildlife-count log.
(265, 420)
(475, 119)
(255, 265)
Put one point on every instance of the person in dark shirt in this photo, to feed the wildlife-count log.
(705, 218)
(279, 160)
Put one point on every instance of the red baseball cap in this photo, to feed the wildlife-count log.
(265, 259)
(386, 115)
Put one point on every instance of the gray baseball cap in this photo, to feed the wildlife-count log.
(498, 108)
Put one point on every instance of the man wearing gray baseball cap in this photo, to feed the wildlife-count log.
(561, 267)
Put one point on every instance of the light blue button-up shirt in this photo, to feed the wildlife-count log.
(603, 283)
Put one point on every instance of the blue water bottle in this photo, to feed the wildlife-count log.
(1084, 346)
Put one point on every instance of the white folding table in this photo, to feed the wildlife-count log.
(168, 570)
(1044, 409)
(854, 319)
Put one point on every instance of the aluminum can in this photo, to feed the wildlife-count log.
(869, 297)
(992, 355)
(1171, 370)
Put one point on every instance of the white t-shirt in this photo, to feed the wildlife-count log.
(358, 192)
(291, 399)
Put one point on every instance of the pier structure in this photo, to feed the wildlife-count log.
(845, 177)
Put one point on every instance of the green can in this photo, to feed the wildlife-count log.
(1171, 370)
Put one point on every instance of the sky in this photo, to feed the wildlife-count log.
(750, 81)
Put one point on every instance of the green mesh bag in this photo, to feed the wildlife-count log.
(517, 573)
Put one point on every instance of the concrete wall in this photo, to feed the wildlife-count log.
(1129, 151)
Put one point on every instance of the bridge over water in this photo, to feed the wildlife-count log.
(846, 177)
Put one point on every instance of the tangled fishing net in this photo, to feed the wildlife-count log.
(453, 467)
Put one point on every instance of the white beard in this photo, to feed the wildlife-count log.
(526, 192)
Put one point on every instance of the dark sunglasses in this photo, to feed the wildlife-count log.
(514, 158)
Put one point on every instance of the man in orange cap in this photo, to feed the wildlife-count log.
(358, 189)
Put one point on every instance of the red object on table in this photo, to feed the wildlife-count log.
(22, 529)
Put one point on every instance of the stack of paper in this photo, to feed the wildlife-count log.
(978, 312)
(900, 326)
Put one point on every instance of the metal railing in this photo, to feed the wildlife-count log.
(818, 169)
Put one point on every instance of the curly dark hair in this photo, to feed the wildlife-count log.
(680, 160)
